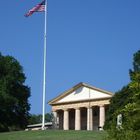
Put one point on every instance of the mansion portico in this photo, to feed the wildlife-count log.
(82, 107)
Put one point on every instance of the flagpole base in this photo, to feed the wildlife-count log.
(43, 128)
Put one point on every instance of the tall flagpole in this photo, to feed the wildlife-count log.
(44, 68)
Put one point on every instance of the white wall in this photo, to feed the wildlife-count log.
(83, 93)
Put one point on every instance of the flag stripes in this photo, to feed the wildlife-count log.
(38, 8)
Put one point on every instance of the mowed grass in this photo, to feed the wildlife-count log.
(53, 135)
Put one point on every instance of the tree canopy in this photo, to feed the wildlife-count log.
(35, 119)
(14, 94)
(126, 102)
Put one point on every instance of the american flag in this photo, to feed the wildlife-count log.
(38, 8)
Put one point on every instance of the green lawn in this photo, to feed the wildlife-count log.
(53, 135)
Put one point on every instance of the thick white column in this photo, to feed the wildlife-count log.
(89, 119)
(66, 120)
(77, 119)
(55, 123)
(102, 117)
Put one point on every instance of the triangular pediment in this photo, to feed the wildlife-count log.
(81, 92)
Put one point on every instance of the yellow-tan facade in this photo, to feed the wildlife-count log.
(82, 107)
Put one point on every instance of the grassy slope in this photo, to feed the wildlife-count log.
(53, 135)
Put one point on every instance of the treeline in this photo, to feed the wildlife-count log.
(14, 94)
(35, 119)
(127, 103)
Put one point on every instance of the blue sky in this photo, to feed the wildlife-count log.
(91, 41)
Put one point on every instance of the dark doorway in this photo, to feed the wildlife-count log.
(83, 118)
(72, 119)
(60, 123)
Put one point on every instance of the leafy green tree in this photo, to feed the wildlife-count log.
(48, 117)
(14, 94)
(127, 103)
(35, 119)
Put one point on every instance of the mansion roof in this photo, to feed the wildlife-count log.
(81, 92)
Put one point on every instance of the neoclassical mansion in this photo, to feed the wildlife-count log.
(82, 107)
